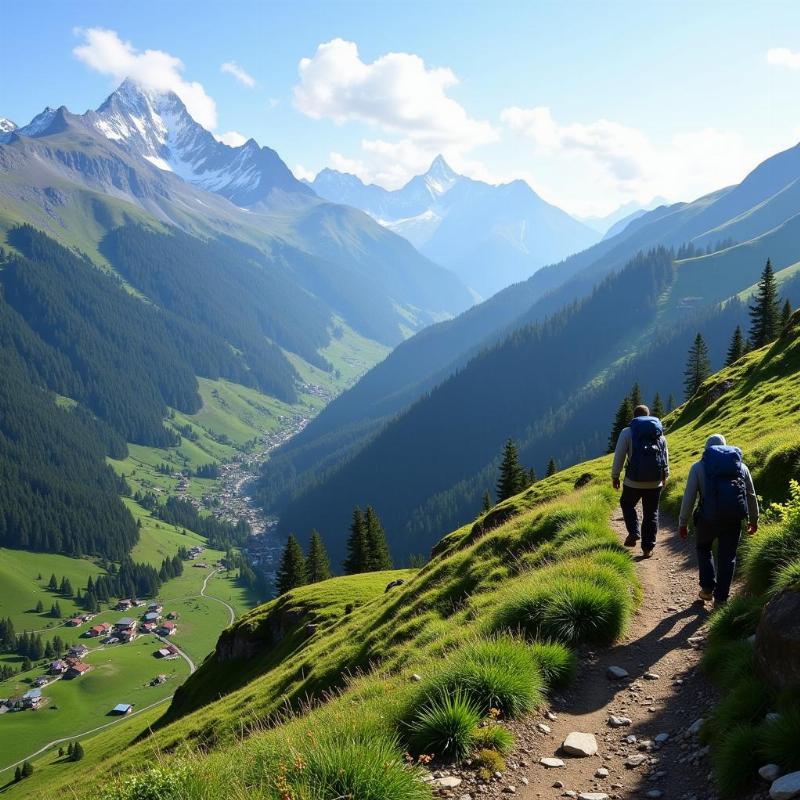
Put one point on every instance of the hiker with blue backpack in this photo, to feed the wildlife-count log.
(642, 450)
(727, 498)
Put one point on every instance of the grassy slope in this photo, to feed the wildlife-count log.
(413, 627)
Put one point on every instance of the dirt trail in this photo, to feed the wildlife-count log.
(668, 701)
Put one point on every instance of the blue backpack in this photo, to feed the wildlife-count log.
(648, 459)
(725, 500)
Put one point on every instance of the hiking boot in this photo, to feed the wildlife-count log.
(705, 595)
(631, 541)
(647, 552)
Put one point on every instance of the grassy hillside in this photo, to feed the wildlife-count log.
(530, 565)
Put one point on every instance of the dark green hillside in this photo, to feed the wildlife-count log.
(553, 386)
(56, 492)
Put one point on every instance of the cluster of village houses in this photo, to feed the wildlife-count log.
(126, 629)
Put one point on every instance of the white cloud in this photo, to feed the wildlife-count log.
(302, 173)
(396, 94)
(783, 57)
(626, 163)
(241, 75)
(102, 50)
(232, 138)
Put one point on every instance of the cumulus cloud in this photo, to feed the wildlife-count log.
(628, 162)
(232, 138)
(103, 51)
(783, 57)
(302, 173)
(241, 75)
(396, 94)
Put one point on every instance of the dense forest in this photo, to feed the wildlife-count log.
(540, 386)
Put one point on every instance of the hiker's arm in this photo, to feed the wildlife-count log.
(752, 499)
(620, 453)
(689, 497)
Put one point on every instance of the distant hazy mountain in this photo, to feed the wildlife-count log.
(611, 224)
(491, 236)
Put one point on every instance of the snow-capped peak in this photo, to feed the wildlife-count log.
(6, 125)
(440, 177)
(157, 127)
(39, 123)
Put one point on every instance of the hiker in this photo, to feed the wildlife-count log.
(642, 449)
(727, 497)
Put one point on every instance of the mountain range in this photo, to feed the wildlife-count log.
(545, 361)
(490, 236)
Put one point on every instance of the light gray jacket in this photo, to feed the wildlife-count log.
(696, 485)
(622, 455)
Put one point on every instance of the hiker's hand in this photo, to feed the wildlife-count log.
(683, 532)
(615, 483)
(752, 528)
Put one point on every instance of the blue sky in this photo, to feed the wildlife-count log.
(594, 104)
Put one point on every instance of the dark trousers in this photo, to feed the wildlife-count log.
(727, 537)
(628, 501)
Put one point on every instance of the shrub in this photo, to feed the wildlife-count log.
(366, 767)
(556, 663)
(780, 742)
(570, 610)
(493, 673)
(736, 760)
(174, 782)
(489, 761)
(444, 726)
(493, 737)
(767, 553)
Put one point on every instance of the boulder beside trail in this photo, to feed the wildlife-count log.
(580, 744)
(777, 645)
(786, 787)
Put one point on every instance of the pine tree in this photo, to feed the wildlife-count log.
(486, 503)
(318, 566)
(27, 769)
(551, 468)
(512, 476)
(53, 585)
(70, 749)
(737, 347)
(39, 607)
(636, 395)
(292, 572)
(698, 366)
(670, 402)
(621, 421)
(17, 775)
(786, 313)
(657, 409)
(357, 555)
(530, 477)
(765, 311)
(378, 557)
(77, 752)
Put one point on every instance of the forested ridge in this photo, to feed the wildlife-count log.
(427, 469)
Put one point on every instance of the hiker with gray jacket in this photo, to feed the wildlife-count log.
(727, 497)
(642, 450)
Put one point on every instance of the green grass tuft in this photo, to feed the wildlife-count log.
(499, 673)
(774, 548)
(444, 727)
(745, 704)
(557, 664)
(736, 760)
(780, 742)
(493, 737)
(788, 577)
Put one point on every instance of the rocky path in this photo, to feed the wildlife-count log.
(654, 753)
